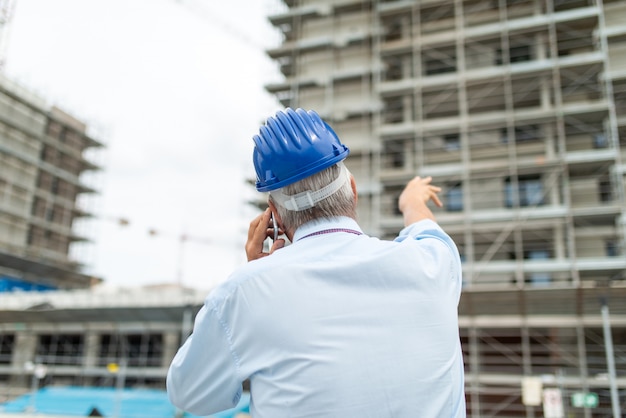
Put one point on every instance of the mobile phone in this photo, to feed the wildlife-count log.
(275, 226)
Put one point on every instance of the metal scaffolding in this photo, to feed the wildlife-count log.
(42, 155)
(515, 107)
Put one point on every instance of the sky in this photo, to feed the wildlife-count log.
(174, 89)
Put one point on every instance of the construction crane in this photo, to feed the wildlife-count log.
(182, 238)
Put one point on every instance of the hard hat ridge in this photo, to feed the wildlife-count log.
(292, 145)
(278, 134)
(292, 127)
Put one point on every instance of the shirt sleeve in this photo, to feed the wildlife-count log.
(203, 377)
(429, 229)
(426, 229)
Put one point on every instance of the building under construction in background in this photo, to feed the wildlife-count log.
(56, 329)
(42, 160)
(517, 108)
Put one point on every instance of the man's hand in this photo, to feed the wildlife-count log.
(260, 229)
(414, 197)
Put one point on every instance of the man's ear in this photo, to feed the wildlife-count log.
(353, 185)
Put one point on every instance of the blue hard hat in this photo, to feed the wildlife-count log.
(293, 145)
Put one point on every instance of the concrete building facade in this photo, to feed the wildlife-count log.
(42, 164)
(517, 109)
(92, 337)
(43, 159)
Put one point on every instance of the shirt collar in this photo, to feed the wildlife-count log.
(340, 222)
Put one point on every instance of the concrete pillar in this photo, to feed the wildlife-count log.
(559, 242)
(24, 350)
(170, 347)
(542, 53)
(91, 349)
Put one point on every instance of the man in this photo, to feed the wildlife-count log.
(336, 324)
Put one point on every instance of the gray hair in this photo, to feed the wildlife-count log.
(340, 203)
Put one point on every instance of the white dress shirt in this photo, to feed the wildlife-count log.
(334, 325)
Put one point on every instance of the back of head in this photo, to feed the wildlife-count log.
(298, 159)
(340, 203)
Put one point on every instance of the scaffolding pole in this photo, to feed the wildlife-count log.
(610, 359)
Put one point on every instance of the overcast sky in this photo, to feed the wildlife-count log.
(175, 91)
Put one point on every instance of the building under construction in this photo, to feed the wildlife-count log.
(56, 328)
(43, 161)
(517, 108)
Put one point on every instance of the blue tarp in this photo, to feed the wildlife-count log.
(11, 284)
(127, 403)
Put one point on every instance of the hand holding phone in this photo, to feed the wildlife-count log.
(259, 232)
